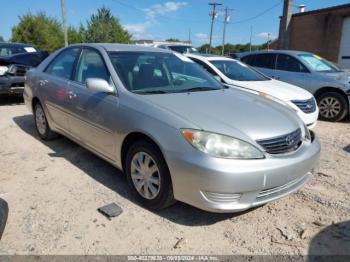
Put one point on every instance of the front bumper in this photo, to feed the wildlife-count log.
(309, 119)
(226, 185)
(11, 84)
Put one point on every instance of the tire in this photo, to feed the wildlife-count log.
(41, 124)
(3, 215)
(144, 166)
(333, 106)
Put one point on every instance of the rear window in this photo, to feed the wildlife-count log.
(261, 60)
(8, 50)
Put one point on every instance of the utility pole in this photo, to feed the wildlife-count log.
(213, 15)
(268, 41)
(189, 36)
(226, 20)
(64, 20)
(251, 36)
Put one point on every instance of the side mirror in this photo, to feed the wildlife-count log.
(99, 85)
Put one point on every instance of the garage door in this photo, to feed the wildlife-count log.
(344, 51)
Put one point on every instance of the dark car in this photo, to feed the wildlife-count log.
(15, 60)
(4, 210)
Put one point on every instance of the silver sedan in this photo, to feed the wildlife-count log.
(175, 131)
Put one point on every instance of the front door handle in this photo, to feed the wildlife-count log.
(43, 82)
(71, 95)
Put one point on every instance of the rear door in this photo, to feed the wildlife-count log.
(93, 115)
(53, 83)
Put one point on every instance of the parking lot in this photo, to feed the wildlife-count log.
(54, 188)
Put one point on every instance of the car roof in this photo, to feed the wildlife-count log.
(287, 52)
(209, 57)
(15, 44)
(124, 47)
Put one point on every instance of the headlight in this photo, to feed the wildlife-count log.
(3, 70)
(220, 145)
(275, 99)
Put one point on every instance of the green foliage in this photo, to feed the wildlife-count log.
(103, 27)
(172, 40)
(39, 30)
(46, 33)
(76, 36)
(2, 39)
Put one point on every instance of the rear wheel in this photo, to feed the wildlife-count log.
(42, 126)
(148, 175)
(333, 106)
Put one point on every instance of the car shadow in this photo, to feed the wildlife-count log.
(331, 244)
(11, 100)
(114, 179)
(347, 148)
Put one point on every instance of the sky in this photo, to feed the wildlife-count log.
(159, 20)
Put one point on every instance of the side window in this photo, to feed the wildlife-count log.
(265, 61)
(249, 59)
(91, 65)
(204, 66)
(289, 63)
(62, 64)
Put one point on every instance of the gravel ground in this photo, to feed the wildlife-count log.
(54, 188)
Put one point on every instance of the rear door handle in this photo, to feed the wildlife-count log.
(71, 94)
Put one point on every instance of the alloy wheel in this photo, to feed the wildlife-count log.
(145, 175)
(40, 120)
(329, 107)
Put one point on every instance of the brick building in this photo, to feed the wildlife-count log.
(325, 32)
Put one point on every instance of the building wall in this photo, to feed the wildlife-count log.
(319, 31)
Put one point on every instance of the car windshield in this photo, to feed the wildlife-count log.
(184, 49)
(319, 64)
(239, 71)
(156, 72)
(7, 50)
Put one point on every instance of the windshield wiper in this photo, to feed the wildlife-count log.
(199, 88)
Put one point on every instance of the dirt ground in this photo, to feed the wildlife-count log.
(54, 188)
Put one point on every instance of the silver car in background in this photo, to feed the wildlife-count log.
(326, 81)
(175, 131)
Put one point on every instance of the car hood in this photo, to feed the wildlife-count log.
(339, 76)
(231, 112)
(279, 89)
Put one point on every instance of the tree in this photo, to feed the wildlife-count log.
(172, 40)
(2, 39)
(103, 27)
(76, 36)
(39, 30)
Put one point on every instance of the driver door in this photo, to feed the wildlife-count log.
(94, 114)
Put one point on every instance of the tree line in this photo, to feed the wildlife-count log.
(46, 32)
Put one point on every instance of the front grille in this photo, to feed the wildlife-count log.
(282, 144)
(18, 70)
(307, 106)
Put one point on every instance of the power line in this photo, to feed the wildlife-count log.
(257, 15)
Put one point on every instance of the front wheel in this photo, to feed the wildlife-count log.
(148, 175)
(333, 106)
